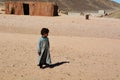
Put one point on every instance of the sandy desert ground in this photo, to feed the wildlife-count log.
(92, 48)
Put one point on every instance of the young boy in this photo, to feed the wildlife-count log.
(43, 49)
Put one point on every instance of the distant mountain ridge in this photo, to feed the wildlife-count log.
(82, 5)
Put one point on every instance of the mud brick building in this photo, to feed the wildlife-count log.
(33, 8)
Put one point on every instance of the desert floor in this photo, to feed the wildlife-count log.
(92, 48)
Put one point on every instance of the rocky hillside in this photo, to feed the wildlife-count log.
(87, 5)
(115, 14)
(83, 5)
(1, 4)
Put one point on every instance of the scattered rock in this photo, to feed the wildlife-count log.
(14, 49)
(94, 63)
(5, 49)
(22, 76)
(13, 65)
(15, 75)
(73, 22)
(62, 78)
(6, 71)
(25, 64)
(117, 75)
(68, 74)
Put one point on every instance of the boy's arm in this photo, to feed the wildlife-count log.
(39, 47)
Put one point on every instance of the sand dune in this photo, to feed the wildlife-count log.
(91, 47)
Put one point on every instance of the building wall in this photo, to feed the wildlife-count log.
(35, 8)
(18, 6)
(41, 8)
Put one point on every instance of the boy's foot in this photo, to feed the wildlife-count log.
(40, 66)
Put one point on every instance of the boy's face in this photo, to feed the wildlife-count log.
(46, 34)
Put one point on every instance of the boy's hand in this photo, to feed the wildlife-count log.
(39, 53)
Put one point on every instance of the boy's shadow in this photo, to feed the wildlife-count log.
(56, 64)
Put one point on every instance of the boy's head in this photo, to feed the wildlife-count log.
(44, 31)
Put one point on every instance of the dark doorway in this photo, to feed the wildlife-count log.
(26, 9)
(13, 11)
(55, 10)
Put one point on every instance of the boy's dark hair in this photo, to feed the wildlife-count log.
(44, 31)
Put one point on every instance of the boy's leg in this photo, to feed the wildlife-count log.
(41, 66)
